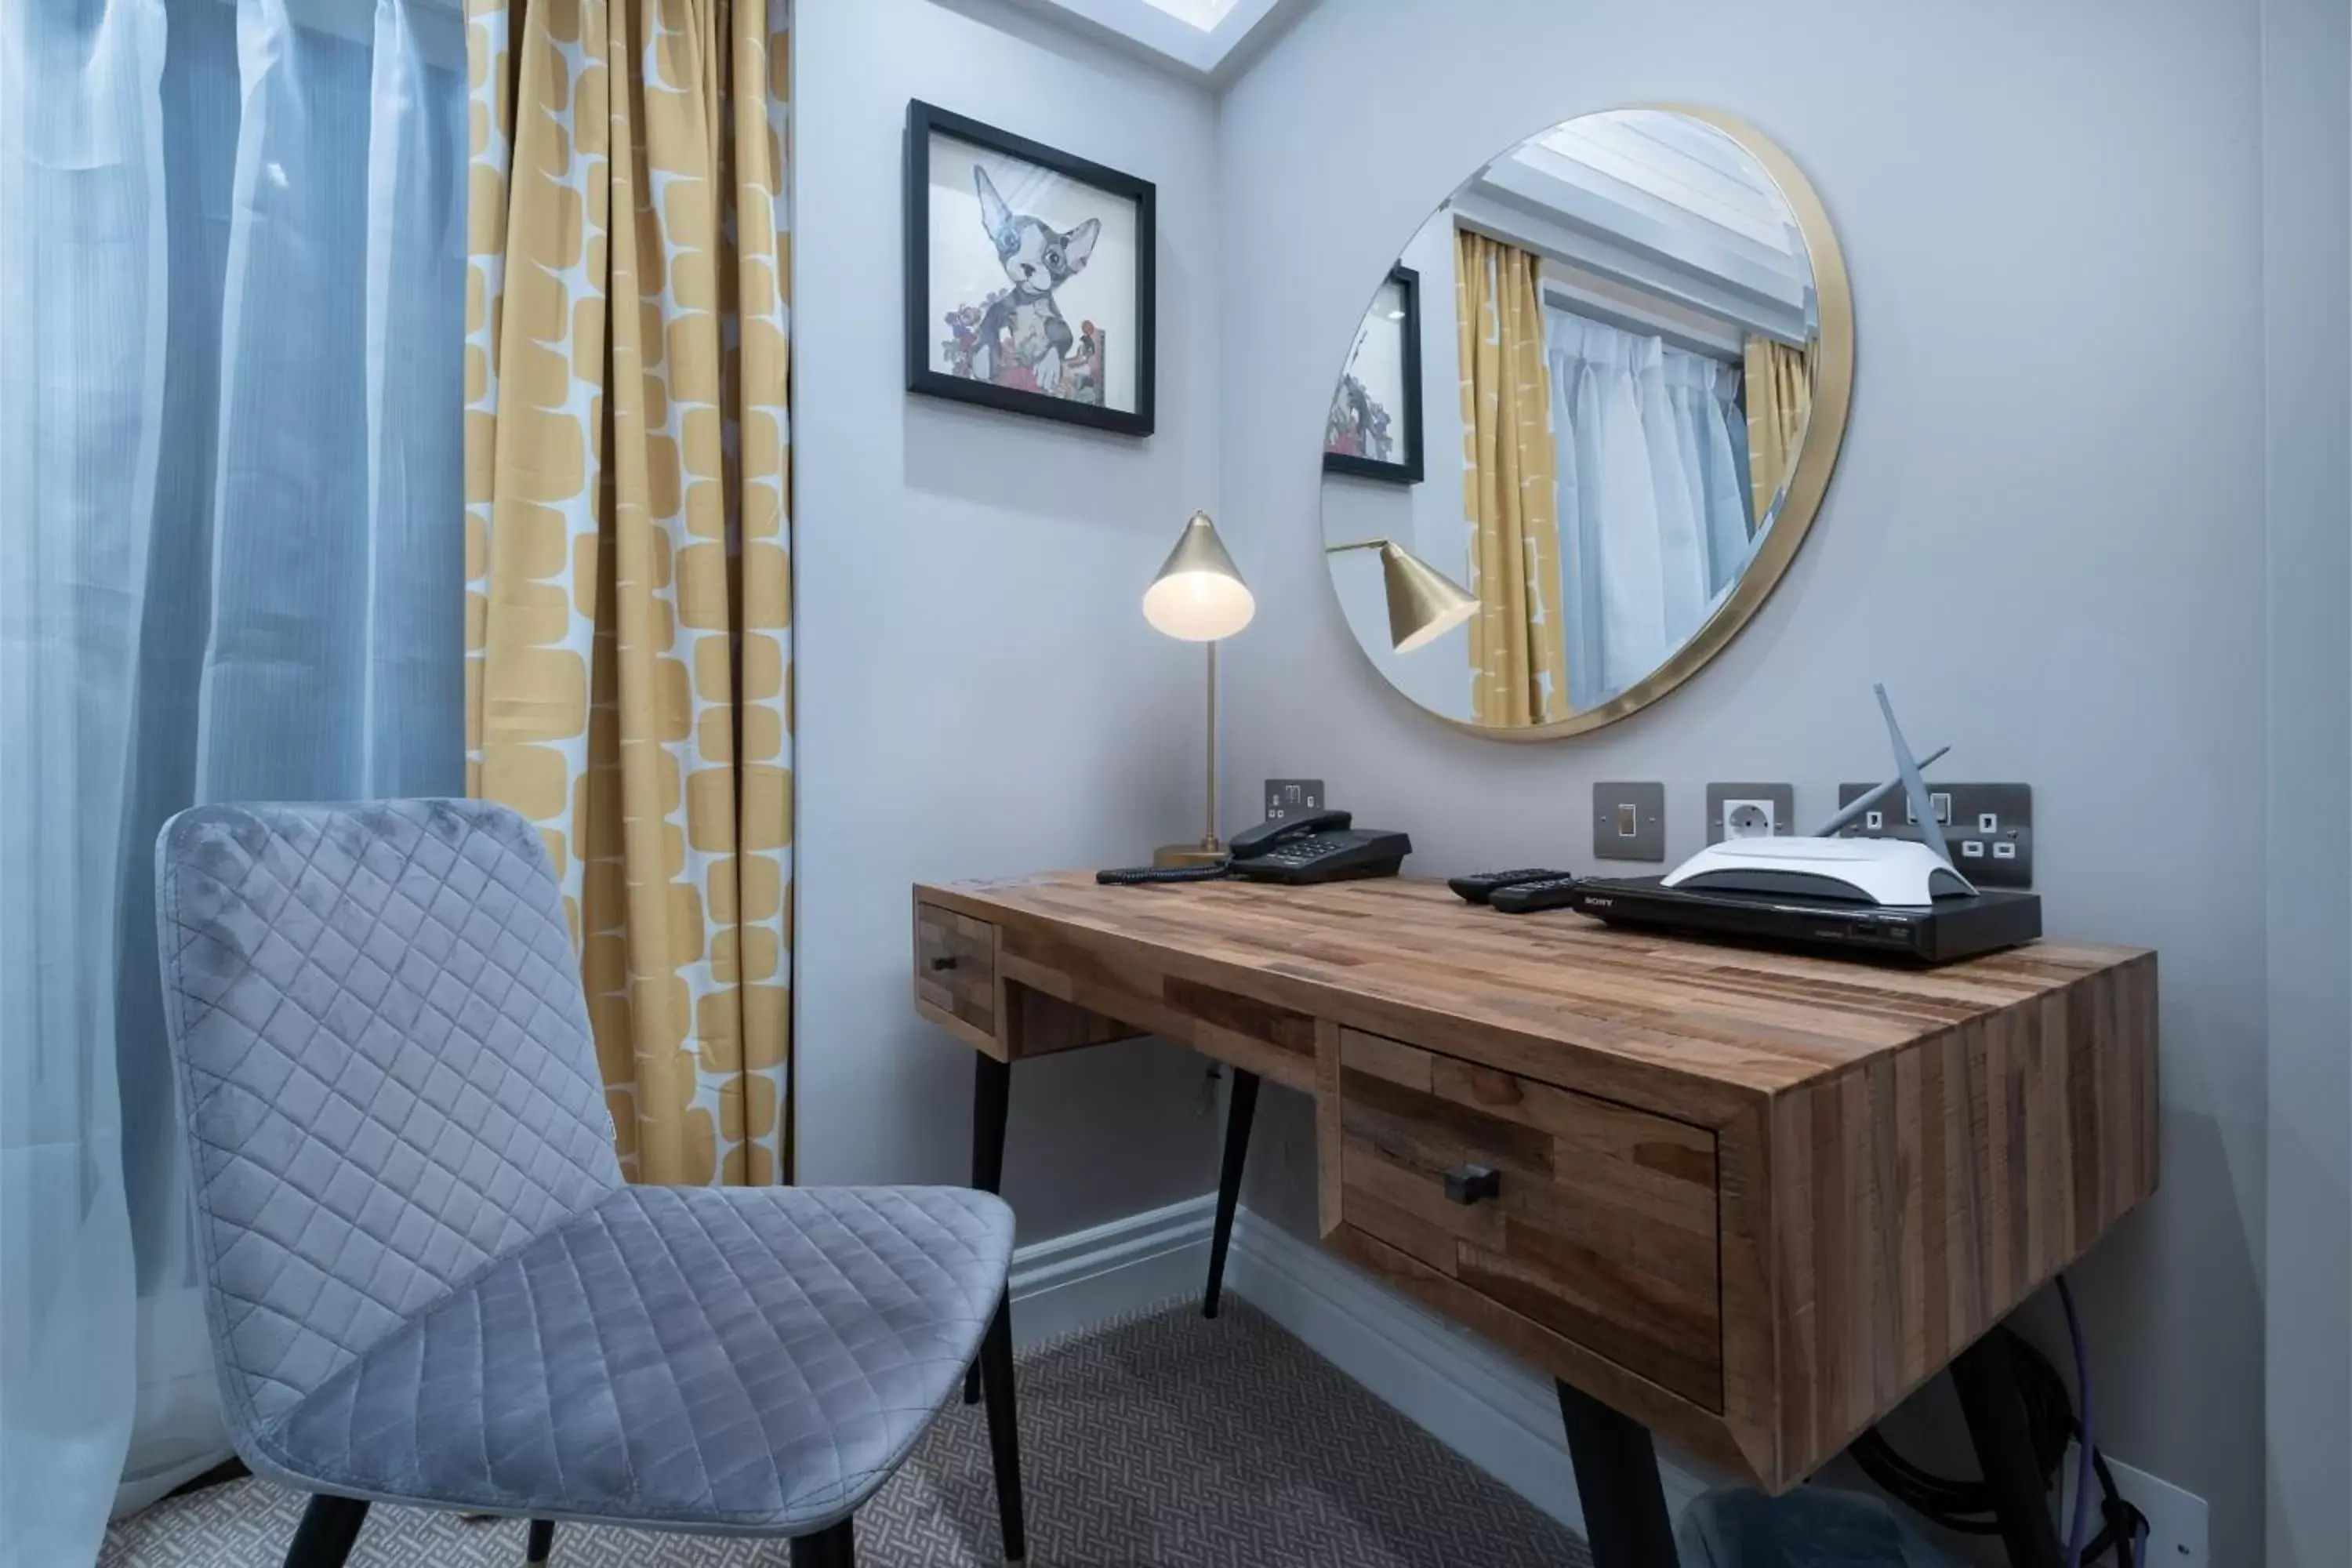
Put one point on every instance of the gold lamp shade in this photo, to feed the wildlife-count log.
(1424, 603)
(1198, 594)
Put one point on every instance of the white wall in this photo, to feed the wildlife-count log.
(2308, 276)
(2045, 534)
(977, 691)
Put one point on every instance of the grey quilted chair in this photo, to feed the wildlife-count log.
(427, 1282)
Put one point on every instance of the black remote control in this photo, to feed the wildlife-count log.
(1479, 888)
(1526, 898)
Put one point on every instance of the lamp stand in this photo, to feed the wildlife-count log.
(1209, 848)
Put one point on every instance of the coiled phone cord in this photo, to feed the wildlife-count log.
(1133, 876)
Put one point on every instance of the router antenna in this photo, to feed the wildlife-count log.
(1862, 803)
(1914, 788)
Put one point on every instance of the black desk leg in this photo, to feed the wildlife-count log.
(1239, 1112)
(992, 1097)
(1986, 1376)
(1617, 1481)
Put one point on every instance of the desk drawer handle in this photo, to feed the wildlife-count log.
(945, 963)
(1468, 1184)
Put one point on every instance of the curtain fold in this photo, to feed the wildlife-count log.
(628, 586)
(81, 364)
(1780, 400)
(1519, 669)
(231, 551)
(1653, 488)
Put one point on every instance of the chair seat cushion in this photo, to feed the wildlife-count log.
(750, 1361)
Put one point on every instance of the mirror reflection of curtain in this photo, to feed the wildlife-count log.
(1780, 400)
(1517, 657)
(1653, 497)
(231, 550)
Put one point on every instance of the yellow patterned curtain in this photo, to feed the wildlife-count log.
(1519, 655)
(628, 592)
(1779, 378)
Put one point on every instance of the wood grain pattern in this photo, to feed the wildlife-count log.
(955, 972)
(1603, 1230)
(1888, 1159)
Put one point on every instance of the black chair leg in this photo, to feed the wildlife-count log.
(1239, 1112)
(1625, 1520)
(991, 1098)
(330, 1525)
(542, 1543)
(1005, 1433)
(834, 1548)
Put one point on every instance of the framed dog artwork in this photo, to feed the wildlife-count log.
(1029, 276)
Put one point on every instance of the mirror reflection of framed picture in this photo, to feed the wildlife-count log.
(1028, 275)
(1374, 428)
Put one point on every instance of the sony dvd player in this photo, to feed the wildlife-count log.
(1950, 929)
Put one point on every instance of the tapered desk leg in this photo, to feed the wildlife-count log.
(1617, 1481)
(991, 1098)
(1239, 1112)
(1986, 1378)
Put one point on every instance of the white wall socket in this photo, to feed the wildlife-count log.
(1748, 811)
(2177, 1528)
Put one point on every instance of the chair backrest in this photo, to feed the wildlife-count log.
(384, 1065)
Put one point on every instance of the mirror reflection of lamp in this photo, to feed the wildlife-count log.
(1424, 603)
(1198, 597)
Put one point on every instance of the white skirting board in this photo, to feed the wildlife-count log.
(1074, 1281)
(1495, 1411)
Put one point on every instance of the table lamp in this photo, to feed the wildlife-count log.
(1424, 603)
(1198, 597)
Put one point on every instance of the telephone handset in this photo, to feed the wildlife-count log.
(1320, 846)
(1252, 842)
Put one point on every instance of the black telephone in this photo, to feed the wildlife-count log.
(1320, 846)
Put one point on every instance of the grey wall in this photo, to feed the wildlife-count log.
(977, 691)
(2046, 533)
(2307, 335)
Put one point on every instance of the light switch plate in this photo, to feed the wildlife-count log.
(1750, 811)
(1286, 798)
(1629, 821)
(1988, 827)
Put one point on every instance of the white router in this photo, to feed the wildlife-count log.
(1886, 871)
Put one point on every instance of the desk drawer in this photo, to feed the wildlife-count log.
(955, 965)
(1601, 1225)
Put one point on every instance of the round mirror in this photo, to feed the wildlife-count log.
(1586, 420)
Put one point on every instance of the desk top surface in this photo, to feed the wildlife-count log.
(1760, 1019)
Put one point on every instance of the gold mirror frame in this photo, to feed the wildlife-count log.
(1807, 481)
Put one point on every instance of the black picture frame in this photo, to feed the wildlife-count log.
(1409, 471)
(924, 121)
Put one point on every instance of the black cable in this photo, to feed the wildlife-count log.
(1967, 1505)
(1135, 876)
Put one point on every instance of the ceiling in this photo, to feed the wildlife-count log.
(1206, 41)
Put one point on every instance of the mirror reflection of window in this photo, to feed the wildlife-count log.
(1614, 408)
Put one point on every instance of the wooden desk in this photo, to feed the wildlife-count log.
(1748, 1199)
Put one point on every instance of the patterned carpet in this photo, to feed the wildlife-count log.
(1161, 1439)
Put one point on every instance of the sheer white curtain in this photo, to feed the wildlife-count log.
(1653, 481)
(231, 566)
